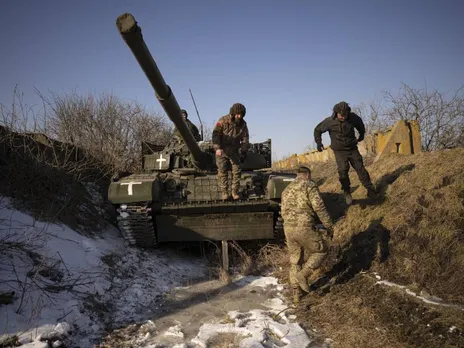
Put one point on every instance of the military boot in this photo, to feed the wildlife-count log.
(348, 198)
(302, 278)
(372, 193)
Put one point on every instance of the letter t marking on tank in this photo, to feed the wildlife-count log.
(129, 186)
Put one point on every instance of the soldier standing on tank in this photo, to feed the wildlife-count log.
(193, 129)
(302, 208)
(343, 142)
(231, 142)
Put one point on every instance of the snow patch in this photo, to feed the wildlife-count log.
(175, 331)
(258, 327)
(423, 296)
(258, 281)
(75, 286)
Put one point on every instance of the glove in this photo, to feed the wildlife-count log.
(320, 147)
(361, 138)
(324, 230)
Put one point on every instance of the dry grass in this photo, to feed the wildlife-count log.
(245, 261)
(245, 258)
(224, 276)
(417, 226)
(361, 314)
(274, 257)
(43, 180)
(411, 235)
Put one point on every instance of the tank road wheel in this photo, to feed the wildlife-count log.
(136, 225)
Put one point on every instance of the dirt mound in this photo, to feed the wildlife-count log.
(411, 235)
(416, 227)
(362, 313)
(53, 181)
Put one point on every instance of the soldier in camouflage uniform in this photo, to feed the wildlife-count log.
(231, 142)
(301, 207)
(193, 129)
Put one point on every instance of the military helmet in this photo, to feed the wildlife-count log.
(342, 108)
(238, 108)
(184, 112)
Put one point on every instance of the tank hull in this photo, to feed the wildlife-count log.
(178, 208)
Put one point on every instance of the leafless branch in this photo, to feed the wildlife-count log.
(440, 115)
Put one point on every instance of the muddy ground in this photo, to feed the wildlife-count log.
(347, 308)
(248, 312)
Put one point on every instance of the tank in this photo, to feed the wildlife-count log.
(176, 196)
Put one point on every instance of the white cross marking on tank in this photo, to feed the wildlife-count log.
(161, 160)
(129, 186)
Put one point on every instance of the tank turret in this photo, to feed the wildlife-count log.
(132, 35)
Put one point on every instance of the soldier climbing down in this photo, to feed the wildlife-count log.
(193, 129)
(343, 142)
(231, 142)
(301, 208)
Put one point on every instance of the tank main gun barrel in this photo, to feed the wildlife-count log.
(132, 35)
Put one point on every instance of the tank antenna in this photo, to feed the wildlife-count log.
(198, 114)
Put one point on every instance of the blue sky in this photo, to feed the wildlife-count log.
(288, 61)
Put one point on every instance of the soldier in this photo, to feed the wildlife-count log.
(193, 129)
(231, 142)
(301, 207)
(343, 142)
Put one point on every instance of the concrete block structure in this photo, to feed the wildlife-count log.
(404, 138)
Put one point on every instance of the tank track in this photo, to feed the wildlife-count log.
(136, 225)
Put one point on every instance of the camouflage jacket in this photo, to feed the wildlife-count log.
(229, 135)
(302, 204)
(193, 129)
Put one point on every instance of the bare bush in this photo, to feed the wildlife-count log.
(208, 132)
(35, 168)
(30, 276)
(110, 129)
(440, 116)
(372, 115)
(21, 117)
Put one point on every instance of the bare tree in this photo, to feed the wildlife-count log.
(440, 117)
(21, 117)
(110, 129)
(372, 114)
(208, 132)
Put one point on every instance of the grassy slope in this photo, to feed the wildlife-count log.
(417, 225)
(412, 236)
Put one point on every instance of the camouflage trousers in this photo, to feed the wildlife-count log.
(307, 250)
(223, 162)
